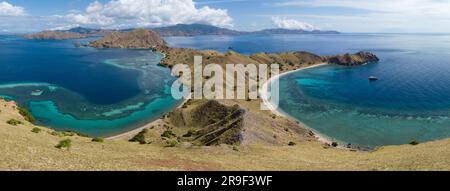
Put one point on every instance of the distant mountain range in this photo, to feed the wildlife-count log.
(199, 29)
(175, 30)
(194, 30)
(88, 31)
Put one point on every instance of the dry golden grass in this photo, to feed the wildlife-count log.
(22, 149)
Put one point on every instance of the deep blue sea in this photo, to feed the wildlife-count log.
(411, 101)
(98, 92)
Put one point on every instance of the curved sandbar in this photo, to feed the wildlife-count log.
(275, 110)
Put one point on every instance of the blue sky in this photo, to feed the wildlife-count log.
(410, 16)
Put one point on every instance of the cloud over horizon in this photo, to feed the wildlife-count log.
(376, 15)
(7, 9)
(292, 24)
(148, 13)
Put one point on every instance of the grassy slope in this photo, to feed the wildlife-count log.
(24, 150)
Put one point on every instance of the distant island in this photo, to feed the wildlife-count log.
(199, 29)
(136, 39)
(176, 30)
(73, 33)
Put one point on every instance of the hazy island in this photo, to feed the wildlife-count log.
(176, 30)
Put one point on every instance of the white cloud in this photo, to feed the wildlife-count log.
(64, 27)
(7, 9)
(378, 15)
(291, 24)
(148, 13)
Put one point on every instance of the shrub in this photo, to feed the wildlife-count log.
(36, 130)
(334, 144)
(27, 115)
(172, 143)
(414, 142)
(63, 133)
(140, 137)
(98, 139)
(66, 143)
(14, 122)
(190, 133)
(292, 143)
(168, 134)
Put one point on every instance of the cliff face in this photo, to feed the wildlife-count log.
(137, 39)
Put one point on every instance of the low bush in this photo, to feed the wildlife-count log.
(190, 133)
(98, 140)
(334, 144)
(172, 143)
(140, 137)
(64, 144)
(292, 143)
(168, 134)
(36, 130)
(64, 133)
(414, 142)
(14, 122)
(27, 115)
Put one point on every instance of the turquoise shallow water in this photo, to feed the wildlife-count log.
(411, 101)
(99, 92)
